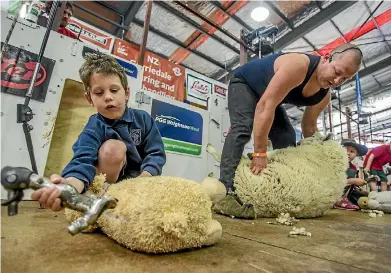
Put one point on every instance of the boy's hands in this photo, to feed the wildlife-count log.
(49, 197)
(145, 174)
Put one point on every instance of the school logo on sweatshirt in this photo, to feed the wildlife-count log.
(135, 134)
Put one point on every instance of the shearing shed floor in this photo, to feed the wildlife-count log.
(36, 240)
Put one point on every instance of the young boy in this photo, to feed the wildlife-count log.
(351, 192)
(374, 162)
(118, 141)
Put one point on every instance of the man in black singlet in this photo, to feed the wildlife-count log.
(255, 97)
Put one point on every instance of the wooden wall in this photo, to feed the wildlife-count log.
(72, 116)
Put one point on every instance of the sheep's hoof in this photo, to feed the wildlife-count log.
(230, 206)
(214, 233)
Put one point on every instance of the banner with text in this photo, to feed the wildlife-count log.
(181, 129)
(160, 76)
(198, 91)
(91, 35)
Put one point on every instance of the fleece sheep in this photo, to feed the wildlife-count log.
(303, 181)
(156, 214)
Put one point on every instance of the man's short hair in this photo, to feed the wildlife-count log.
(341, 50)
(102, 64)
(69, 6)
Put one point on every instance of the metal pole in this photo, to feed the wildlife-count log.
(59, 14)
(207, 20)
(243, 50)
(370, 127)
(330, 117)
(324, 123)
(42, 50)
(347, 110)
(145, 33)
(340, 112)
(24, 110)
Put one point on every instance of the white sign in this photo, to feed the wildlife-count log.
(198, 90)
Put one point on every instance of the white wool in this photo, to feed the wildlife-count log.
(157, 214)
(303, 181)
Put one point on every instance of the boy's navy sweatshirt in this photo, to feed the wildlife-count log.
(136, 128)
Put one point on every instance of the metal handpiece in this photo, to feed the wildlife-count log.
(17, 179)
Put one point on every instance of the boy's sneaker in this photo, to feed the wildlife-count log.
(345, 204)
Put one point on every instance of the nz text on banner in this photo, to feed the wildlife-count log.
(91, 35)
(198, 90)
(181, 129)
(160, 76)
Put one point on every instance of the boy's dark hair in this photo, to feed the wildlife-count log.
(102, 64)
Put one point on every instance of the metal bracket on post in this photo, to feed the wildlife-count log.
(141, 97)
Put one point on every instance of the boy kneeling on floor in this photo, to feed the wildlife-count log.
(352, 191)
(118, 141)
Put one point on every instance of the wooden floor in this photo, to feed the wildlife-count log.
(36, 240)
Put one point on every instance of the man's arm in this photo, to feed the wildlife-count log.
(155, 156)
(290, 73)
(311, 114)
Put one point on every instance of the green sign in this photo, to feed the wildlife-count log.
(181, 147)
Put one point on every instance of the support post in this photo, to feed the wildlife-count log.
(370, 127)
(243, 50)
(348, 115)
(145, 33)
(324, 122)
(329, 109)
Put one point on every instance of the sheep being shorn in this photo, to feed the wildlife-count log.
(157, 214)
(303, 181)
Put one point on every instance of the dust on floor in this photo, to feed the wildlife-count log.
(36, 240)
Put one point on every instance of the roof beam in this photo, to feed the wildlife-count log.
(130, 15)
(288, 22)
(179, 43)
(161, 34)
(181, 16)
(233, 16)
(303, 29)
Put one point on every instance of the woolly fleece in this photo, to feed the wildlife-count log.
(303, 181)
(156, 214)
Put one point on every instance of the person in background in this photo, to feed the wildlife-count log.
(374, 162)
(352, 191)
(118, 141)
(68, 12)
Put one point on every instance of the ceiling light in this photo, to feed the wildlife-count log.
(260, 14)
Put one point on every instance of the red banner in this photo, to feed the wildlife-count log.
(90, 34)
(160, 76)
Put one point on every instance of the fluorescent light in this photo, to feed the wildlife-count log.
(260, 14)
